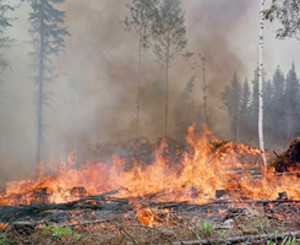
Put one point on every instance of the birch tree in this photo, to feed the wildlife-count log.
(169, 41)
(287, 12)
(48, 36)
(139, 21)
(260, 86)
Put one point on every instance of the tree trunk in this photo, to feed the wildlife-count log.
(260, 87)
(167, 97)
(204, 91)
(139, 83)
(40, 102)
(167, 87)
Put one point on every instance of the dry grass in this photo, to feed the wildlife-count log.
(130, 231)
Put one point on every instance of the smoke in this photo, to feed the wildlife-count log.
(107, 56)
(95, 91)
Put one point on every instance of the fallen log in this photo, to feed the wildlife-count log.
(99, 196)
(251, 239)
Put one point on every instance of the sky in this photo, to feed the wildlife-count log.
(95, 87)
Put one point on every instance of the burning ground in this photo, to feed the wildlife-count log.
(206, 189)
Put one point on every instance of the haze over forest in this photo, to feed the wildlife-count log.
(94, 92)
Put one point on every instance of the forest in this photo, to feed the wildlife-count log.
(149, 122)
(65, 71)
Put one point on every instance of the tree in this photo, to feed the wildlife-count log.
(269, 127)
(48, 32)
(278, 105)
(204, 89)
(287, 12)
(291, 97)
(185, 109)
(231, 99)
(5, 42)
(169, 41)
(254, 101)
(140, 18)
(245, 109)
(260, 86)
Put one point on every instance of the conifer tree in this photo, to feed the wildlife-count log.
(244, 110)
(5, 42)
(48, 36)
(290, 95)
(268, 109)
(254, 102)
(278, 105)
(231, 99)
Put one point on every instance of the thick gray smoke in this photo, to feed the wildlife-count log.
(94, 97)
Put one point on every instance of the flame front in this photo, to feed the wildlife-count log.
(204, 169)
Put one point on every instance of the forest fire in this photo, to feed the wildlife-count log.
(207, 165)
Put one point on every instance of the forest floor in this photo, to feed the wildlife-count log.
(250, 225)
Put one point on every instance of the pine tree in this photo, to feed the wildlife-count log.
(245, 110)
(290, 95)
(278, 105)
(5, 42)
(231, 99)
(48, 32)
(169, 41)
(140, 19)
(254, 104)
(268, 109)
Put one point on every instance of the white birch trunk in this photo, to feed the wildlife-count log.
(260, 86)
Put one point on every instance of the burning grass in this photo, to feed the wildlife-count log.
(206, 165)
(211, 190)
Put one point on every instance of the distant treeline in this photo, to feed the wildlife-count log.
(281, 107)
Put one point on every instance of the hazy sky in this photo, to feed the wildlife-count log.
(95, 92)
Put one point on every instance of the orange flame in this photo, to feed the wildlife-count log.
(205, 167)
(148, 217)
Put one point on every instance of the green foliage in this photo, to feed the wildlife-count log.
(205, 229)
(286, 240)
(287, 12)
(47, 31)
(4, 240)
(140, 19)
(62, 232)
(48, 36)
(169, 31)
(260, 224)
